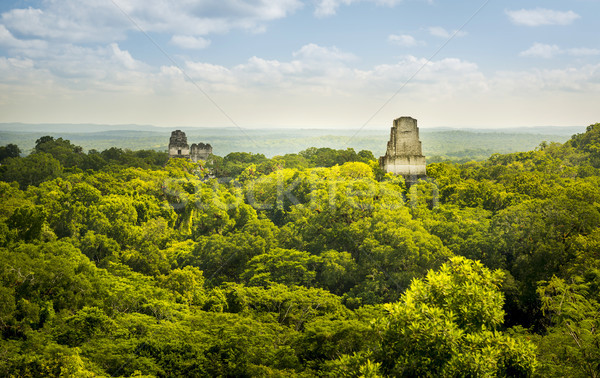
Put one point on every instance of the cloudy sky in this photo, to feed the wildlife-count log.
(294, 63)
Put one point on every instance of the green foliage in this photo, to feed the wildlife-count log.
(572, 345)
(588, 143)
(62, 150)
(284, 266)
(187, 283)
(357, 365)
(446, 325)
(119, 263)
(235, 163)
(31, 170)
(27, 222)
(9, 151)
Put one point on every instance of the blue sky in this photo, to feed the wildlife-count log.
(294, 63)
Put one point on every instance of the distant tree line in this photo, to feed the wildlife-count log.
(51, 157)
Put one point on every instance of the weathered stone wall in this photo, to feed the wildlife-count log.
(405, 165)
(200, 151)
(404, 154)
(404, 138)
(179, 148)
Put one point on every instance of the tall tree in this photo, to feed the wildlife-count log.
(9, 151)
(447, 324)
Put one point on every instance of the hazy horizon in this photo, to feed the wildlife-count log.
(6, 126)
(438, 141)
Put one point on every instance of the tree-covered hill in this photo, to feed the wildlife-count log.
(124, 263)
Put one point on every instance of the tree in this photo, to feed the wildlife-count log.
(99, 248)
(286, 266)
(447, 325)
(43, 140)
(31, 170)
(572, 345)
(536, 239)
(588, 142)
(89, 322)
(27, 221)
(9, 151)
(187, 283)
(68, 154)
(328, 157)
(337, 271)
(365, 156)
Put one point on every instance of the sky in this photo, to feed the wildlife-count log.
(352, 64)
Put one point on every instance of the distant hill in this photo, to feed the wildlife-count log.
(438, 143)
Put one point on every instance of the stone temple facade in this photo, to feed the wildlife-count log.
(179, 148)
(404, 156)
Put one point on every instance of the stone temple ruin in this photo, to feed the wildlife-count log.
(404, 156)
(179, 148)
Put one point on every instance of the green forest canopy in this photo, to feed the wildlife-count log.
(125, 263)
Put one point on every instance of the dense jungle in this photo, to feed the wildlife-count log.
(125, 263)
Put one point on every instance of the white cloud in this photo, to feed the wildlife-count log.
(20, 72)
(326, 8)
(313, 52)
(72, 67)
(542, 50)
(326, 73)
(404, 40)
(211, 73)
(69, 21)
(190, 42)
(541, 16)
(444, 70)
(329, 7)
(582, 79)
(124, 58)
(75, 21)
(316, 83)
(72, 64)
(438, 31)
(30, 47)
